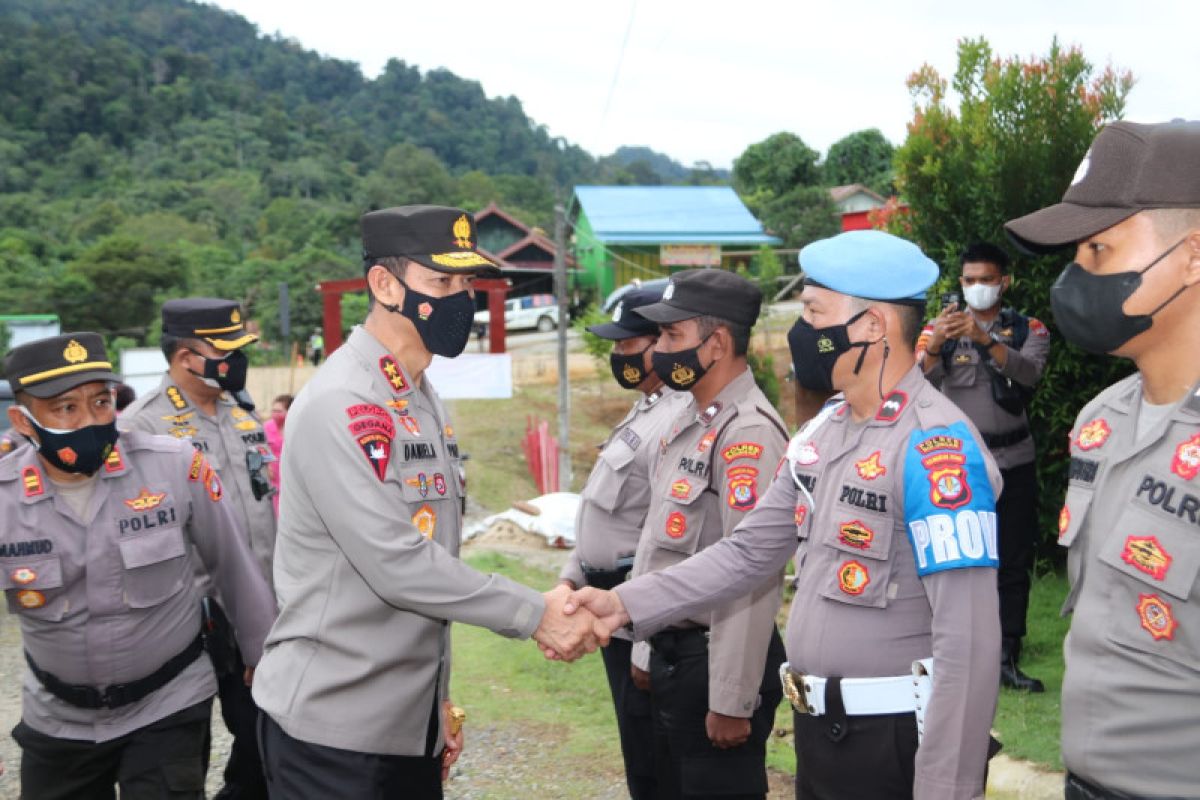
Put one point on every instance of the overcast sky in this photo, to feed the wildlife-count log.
(702, 79)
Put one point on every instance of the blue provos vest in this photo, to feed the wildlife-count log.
(949, 504)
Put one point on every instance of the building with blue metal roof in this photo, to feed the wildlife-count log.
(626, 232)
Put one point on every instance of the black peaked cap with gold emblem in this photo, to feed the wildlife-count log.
(49, 367)
(216, 321)
(438, 237)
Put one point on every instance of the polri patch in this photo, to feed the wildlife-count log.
(23, 575)
(1145, 554)
(681, 489)
(1186, 463)
(676, 525)
(742, 450)
(1093, 435)
(853, 577)
(30, 598)
(948, 484)
(870, 467)
(743, 488)
(1156, 616)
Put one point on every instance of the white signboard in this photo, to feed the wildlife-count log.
(690, 255)
(473, 376)
(142, 368)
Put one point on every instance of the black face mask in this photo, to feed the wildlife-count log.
(228, 373)
(682, 369)
(815, 351)
(443, 323)
(629, 370)
(82, 450)
(1089, 309)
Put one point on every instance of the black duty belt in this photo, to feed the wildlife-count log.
(1079, 789)
(996, 440)
(608, 578)
(676, 643)
(119, 694)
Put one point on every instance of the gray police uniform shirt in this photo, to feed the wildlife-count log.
(613, 502)
(366, 567)
(713, 465)
(1132, 685)
(969, 383)
(108, 598)
(896, 562)
(225, 440)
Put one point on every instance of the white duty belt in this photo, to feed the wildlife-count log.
(862, 696)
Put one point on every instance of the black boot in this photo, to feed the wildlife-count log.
(1011, 675)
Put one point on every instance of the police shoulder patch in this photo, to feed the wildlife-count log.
(949, 505)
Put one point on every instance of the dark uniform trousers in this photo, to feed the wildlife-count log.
(687, 763)
(243, 772)
(1076, 788)
(839, 757)
(299, 770)
(1017, 520)
(162, 760)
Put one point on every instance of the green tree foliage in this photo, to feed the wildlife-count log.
(114, 285)
(862, 157)
(1012, 146)
(779, 180)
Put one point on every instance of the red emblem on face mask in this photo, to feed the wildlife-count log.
(424, 310)
(67, 456)
(222, 369)
(1186, 463)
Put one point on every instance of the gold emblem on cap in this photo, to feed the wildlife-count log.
(75, 352)
(462, 232)
(683, 375)
(234, 316)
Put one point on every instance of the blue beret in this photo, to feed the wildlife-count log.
(870, 264)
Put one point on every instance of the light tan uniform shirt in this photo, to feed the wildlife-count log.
(366, 569)
(712, 467)
(1131, 692)
(968, 383)
(225, 440)
(613, 503)
(861, 610)
(106, 597)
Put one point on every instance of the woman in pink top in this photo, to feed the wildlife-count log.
(274, 431)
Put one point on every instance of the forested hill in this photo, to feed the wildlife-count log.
(158, 147)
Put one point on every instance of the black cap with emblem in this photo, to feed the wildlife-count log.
(218, 322)
(706, 293)
(625, 324)
(49, 367)
(438, 237)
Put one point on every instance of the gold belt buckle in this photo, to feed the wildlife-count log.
(793, 689)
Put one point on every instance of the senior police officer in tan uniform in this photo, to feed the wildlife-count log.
(201, 399)
(1132, 683)
(96, 558)
(354, 683)
(612, 510)
(987, 358)
(713, 686)
(890, 494)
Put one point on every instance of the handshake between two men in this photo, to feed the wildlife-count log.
(575, 623)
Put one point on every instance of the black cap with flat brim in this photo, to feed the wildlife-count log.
(217, 321)
(625, 324)
(439, 237)
(49, 367)
(706, 293)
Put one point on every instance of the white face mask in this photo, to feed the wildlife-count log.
(982, 296)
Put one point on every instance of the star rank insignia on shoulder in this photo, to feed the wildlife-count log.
(176, 397)
(393, 374)
(706, 416)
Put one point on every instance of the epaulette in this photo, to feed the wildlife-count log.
(140, 440)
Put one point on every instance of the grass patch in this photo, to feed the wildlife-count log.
(1030, 724)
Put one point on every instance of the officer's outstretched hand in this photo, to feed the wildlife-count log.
(725, 732)
(454, 741)
(564, 637)
(605, 605)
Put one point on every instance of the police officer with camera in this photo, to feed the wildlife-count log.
(988, 358)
